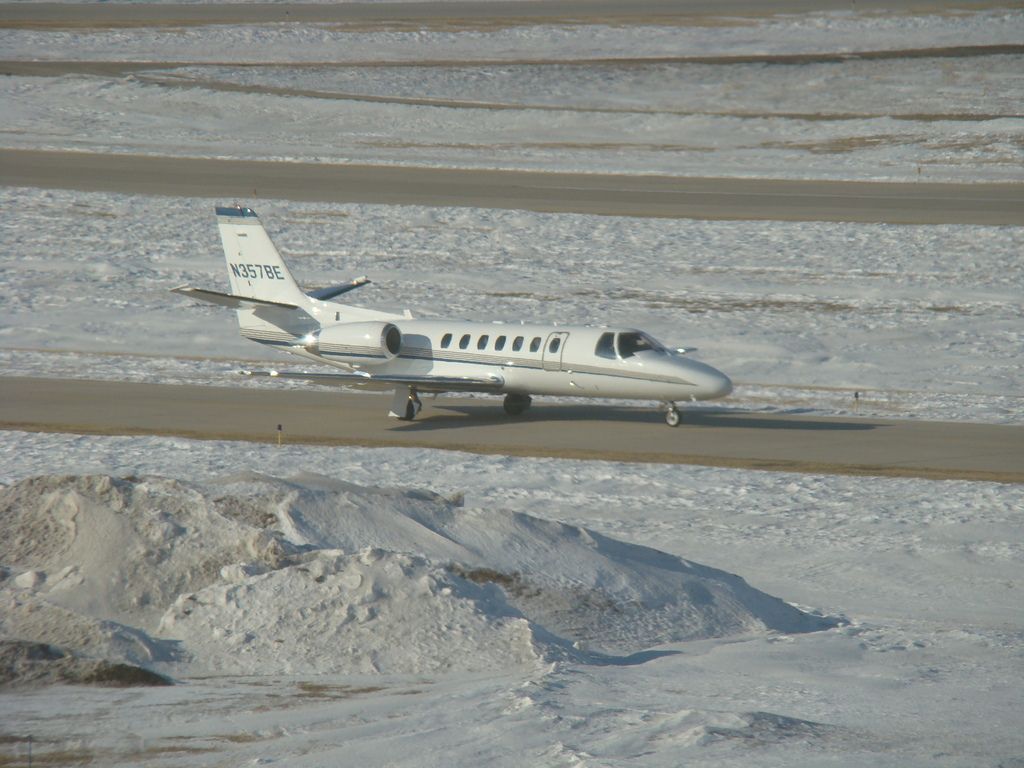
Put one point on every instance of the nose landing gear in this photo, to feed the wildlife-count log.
(672, 417)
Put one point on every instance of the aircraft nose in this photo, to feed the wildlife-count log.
(721, 385)
(711, 382)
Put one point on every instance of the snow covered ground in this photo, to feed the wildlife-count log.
(926, 321)
(924, 667)
(920, 660)
(547, 97)
(763, 35)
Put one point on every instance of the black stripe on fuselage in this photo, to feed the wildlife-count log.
(466, 358)
(470, 358)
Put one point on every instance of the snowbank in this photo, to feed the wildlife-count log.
(256, 575)
(373, 612)
(26, 663)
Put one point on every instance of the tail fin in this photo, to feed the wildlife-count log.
(255, 268)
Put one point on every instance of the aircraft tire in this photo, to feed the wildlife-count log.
(672, 417)
(516, 405)
(412, 408)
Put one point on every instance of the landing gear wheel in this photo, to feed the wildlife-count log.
(516, 405)
(672, 417)
(412, 407)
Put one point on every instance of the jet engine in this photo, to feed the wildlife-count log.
(370, 343)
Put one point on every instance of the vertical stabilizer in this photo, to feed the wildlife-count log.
(255, 268)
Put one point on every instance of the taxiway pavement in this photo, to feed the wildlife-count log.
(723, 438)
(63, 15)
(596, 193)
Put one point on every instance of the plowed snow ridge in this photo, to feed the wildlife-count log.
(257, 575)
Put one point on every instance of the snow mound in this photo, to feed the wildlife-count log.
(372, 612)
(608, 595)
(25, 663)
(27, 615)
(257, 575)
(121, 549)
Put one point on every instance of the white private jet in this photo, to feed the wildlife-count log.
(387, 351)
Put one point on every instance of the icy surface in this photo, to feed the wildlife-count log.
(546, 97)
(926, 671)
(924, 321)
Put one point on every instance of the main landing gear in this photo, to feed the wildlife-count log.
(672, 417)
(412, 407)
(516, 405)
(407, 410)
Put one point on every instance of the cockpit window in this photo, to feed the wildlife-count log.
(606, 346)
(631, 342)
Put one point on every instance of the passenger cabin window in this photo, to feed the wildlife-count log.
(631, 343)
(606, 346)
(554, 345)
(518, 343)
(535, 344)
(446, 341)
(482, 342)
(464, 342)
(499, 343)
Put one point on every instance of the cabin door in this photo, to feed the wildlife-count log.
(553, 349)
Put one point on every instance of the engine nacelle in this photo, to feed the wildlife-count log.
(370, 343)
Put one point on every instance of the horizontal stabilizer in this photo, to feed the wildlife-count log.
(324, 294)
(229, 300)
(388, 381)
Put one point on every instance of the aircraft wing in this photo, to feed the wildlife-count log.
(490, 384)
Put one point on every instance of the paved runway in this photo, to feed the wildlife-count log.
(726, 439)
(655, 196)
(466, 11)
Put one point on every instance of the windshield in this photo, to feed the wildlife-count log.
(632, 342)
(606, 346)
